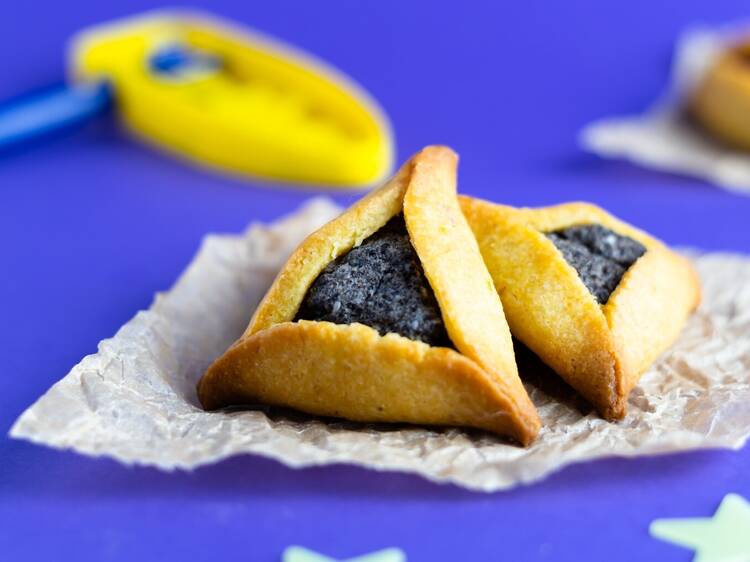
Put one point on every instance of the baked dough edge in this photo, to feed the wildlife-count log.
(350, 371)
(600, 350)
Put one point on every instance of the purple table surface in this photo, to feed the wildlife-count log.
(93, 224)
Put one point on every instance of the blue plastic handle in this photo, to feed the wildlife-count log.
(36, 115)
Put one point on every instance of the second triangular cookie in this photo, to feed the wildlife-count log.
(594, 298)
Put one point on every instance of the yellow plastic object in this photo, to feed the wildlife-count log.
(221, 96)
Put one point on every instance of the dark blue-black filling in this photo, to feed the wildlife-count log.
(381, 284)
(599, 255)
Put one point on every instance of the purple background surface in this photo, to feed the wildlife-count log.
(92, 224)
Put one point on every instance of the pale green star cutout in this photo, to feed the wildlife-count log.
(299, 554)
(725, 537)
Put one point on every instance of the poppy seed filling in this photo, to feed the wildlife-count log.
(599, 255)
(381, 284)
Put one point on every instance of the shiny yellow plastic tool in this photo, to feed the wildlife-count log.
(233, 100)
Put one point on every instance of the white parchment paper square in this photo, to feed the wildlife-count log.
(663, 138)
(134, 400)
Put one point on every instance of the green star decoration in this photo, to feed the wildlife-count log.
(725, 537)
(299, 554)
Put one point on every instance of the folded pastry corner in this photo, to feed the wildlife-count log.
(385, 314)
(594, 298)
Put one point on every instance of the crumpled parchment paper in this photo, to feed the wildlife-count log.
(662, 138)
(134, 400)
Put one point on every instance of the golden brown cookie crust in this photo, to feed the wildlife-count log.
(453, 265)
(648, 309)
(285, 363)
(721, 100)
(601, 351)
(350, 371)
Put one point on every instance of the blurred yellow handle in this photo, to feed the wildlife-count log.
(223, 97)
